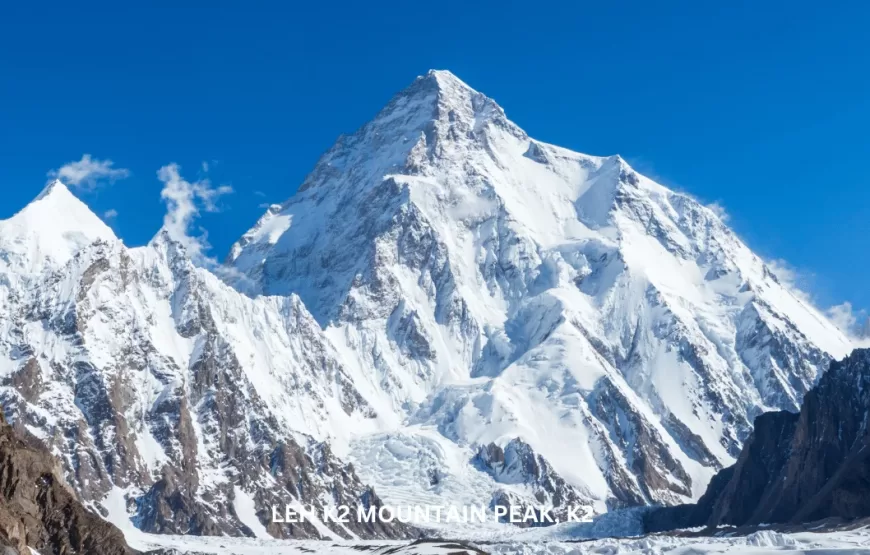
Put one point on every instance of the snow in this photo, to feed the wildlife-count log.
(441, 281)
(506, 227)
(853, 542)
(52, 228)
(247, 513)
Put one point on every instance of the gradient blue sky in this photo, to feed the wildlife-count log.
(762, 107)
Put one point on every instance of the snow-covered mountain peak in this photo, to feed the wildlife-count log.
(465, 313)
(500, 288)
(168, 246)
(49, 231)
(451, 94)
(442, 85)
(445, 78)
(429, 117)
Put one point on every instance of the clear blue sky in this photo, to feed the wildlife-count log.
(763, 107)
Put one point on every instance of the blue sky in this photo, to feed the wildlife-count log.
(762, 107)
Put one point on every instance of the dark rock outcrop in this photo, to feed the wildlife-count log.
(795, 468)
(38, 510)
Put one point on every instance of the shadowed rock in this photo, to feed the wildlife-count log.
(795, 468)
(38, 510)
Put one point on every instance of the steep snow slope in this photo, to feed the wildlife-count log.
(491, 287)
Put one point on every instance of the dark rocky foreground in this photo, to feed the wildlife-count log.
(795, 468)
(38, 510)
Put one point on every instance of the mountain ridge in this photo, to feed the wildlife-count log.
(441, 286)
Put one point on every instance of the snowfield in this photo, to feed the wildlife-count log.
(760, 543)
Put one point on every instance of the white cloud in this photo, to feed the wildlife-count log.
(184, 202)
(88, 173)
(260, 194)
(854, 323)
(843, 316)
(720, 211)
(796, 281)
(110, 214)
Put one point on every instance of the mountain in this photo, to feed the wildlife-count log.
(65, 224)
(161, 389)
(446, 312)
(796, 467)
(485, 287)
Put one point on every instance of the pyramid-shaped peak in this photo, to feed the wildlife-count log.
(439, 96)
(53, 227)
(56, 206)
(439, 86)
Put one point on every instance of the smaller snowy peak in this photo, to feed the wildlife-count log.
(168, 247)
(50, 230)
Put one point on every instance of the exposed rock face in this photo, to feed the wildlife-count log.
(796, 468)
(38, 510)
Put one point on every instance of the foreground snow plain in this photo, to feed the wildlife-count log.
(763, 542)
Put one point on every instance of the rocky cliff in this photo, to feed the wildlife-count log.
(39, 510)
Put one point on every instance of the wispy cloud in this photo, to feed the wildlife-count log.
(110, 214)
(88, 173)
(185, 201)
(797, 281)
(719, 209)
(844, 316)
(852, 322)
